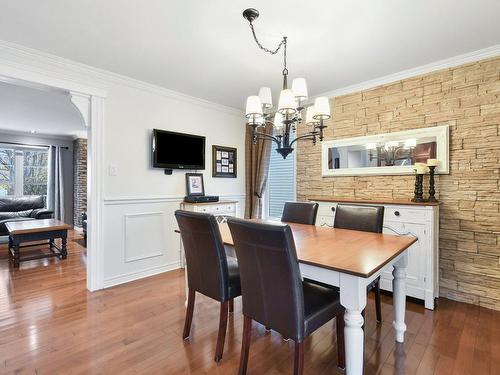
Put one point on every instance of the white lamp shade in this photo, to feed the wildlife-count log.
(278, 120)
(287, 104)
(322, 106)
(299, 88)
(266, 97)
(254, 107)
(310, 120)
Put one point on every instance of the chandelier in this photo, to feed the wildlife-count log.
(289, 114)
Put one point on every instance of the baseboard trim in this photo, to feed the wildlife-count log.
(122, 279)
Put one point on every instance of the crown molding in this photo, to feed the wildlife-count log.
(20, 58)
(451, 62)
(42, 136)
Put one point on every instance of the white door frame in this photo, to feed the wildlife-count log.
(93, 115)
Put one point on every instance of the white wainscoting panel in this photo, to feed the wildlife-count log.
(140, 236)
(145, 236)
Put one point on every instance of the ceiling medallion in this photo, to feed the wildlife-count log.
(288, 116)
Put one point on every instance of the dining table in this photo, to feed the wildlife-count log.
(351, 260)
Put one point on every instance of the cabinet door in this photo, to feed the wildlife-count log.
(324, 221)
(415, 273)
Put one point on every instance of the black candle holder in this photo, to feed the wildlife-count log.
(432, 190)
(419, 188)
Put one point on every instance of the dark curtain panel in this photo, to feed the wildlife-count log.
(55, 186)
(257, 158)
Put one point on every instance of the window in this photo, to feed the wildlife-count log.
(7, 175)
(281, 182)
(23, 170)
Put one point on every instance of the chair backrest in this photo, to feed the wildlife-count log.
(271, 285)
(300, 212)
(359, 217)
(205, 255)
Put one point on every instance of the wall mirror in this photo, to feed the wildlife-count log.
(386, 154)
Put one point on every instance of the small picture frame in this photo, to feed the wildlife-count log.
(194, 184)
(224, 161)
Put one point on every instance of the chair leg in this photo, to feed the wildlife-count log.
(231, 305)
(378, 307)
(298, 367)
(340, 341)
(189, 314)
(221, 337)
(245, 344)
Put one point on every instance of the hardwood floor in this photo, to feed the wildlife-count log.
(50, 324)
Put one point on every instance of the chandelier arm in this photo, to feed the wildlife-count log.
(272, 52)
(306, 136)
(267, 136)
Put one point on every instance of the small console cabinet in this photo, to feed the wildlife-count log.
(404, 218)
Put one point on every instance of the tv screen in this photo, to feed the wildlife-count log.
(178, 150)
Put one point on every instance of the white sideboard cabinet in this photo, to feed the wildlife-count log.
(404, 218)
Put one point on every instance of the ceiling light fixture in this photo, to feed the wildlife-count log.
(289, 113)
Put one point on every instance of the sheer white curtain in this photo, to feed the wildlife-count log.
(55, 187)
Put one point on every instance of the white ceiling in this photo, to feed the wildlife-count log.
(205, 49)
(24, 109)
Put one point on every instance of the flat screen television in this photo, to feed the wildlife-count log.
(178, 150)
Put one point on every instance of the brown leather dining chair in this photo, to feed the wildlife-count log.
(273, 292)
(210, 271)
(367, 219)
(300, 212)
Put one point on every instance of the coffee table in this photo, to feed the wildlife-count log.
(37, 230)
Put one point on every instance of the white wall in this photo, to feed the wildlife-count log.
(140, 199)
(139, 202)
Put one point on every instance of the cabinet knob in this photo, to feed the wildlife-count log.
(396, 213)
(333, 209)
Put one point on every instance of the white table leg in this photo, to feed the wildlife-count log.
(353, 298)
(399, 296)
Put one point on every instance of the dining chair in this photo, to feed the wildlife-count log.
(273, 292)
(209, 270)
(300, 212)
(367, 219)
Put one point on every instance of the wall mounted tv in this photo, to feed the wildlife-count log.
(178, 150)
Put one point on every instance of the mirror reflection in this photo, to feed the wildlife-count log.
(405, 152)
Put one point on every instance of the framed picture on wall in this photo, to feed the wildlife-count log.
(224, 161)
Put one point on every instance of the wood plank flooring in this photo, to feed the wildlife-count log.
(50, 324)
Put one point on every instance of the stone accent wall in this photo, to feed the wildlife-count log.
(467, 98)
(80, 179)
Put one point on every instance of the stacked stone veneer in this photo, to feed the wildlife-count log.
(79, 179)
(467, 98)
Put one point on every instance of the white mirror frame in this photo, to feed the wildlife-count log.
(442, 153)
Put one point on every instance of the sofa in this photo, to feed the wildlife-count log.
(22, 209)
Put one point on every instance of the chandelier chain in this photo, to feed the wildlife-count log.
(272, 52)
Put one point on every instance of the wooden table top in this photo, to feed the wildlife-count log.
(348, 251)
(33, 226)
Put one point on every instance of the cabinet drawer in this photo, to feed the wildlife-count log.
(405, 215)
(325, 209)
(202, 209)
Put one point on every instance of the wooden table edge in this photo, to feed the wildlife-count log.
(359, 274)
(38, 230)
